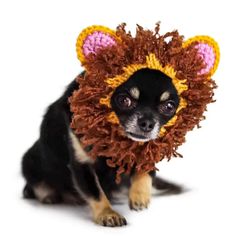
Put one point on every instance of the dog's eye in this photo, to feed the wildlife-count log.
(167, 108)
(124, 101)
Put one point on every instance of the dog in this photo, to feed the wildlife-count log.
(57, 169)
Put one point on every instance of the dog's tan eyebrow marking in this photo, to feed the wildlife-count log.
(164, 96)
(134, 92)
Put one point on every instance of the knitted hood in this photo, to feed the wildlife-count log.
(110, 58)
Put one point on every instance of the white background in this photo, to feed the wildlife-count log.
(38, 59)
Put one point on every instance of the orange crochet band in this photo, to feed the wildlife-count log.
(110, 58)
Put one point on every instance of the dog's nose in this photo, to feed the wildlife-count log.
(145, 124)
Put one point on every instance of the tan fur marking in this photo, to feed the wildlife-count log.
(99, 206)
(164, 96)
(42, 191)
(103, 214)
(135, 93)
(140, 191)
(80, 154)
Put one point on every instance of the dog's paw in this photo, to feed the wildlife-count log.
(140, 192)
(52, 199)
(110, 218)
(139, 200)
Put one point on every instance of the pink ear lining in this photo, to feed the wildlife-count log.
(95, 41)
(208, 55)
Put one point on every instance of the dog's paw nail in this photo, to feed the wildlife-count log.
(139, 201)
(110, 218)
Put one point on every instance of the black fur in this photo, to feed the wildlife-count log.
(145, 111)
(51, 159)
(84, 173)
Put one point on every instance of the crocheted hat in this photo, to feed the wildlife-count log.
(110, 58)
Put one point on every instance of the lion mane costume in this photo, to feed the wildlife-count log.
(110, 58)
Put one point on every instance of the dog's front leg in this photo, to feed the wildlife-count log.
(87, 184)
(140, 191)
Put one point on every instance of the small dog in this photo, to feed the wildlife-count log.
(54, 173)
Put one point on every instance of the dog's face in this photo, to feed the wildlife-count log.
(144, 103)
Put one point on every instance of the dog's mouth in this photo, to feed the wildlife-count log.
(137, 137)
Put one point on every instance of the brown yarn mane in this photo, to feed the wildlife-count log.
(108, 140)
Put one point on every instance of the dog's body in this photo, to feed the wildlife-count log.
(57, 169)
(135, 89)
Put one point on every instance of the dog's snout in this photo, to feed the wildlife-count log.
(146, 124)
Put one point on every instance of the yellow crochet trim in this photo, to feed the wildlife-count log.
(151, 63)
(210, 41)
(112, 117)
(106, 101)
(85, 33)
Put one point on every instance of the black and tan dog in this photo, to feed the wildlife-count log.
(57, 169)
(147, 86)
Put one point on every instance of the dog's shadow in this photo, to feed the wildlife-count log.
(119, 203)
(81, 211)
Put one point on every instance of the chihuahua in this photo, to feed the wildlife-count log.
(54, 173)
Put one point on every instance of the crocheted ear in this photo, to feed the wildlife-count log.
(208, 50)
(92, 39)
